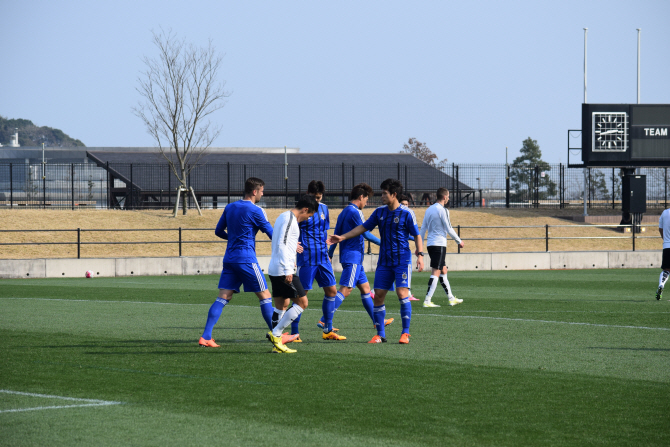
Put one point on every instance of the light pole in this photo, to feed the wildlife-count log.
(638, 64)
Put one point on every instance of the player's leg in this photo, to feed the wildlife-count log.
(229, 283)
(665, 273)
(281, 304)
(254, 281)
(294, 291)
(447, 288)
(433, 253)
(347, 282)
(403, 277)
(306, 275)
(384, 278)
(367, 299)
(325, 278)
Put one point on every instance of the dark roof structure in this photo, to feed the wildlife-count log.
(225, 173)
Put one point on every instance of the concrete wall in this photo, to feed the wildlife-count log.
(208, 265)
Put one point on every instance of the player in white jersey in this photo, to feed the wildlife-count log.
(435, 227)
(664, 229)
(285, 283)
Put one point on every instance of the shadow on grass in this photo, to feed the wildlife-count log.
(630, 349)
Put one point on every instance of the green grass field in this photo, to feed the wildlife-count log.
(530, 358)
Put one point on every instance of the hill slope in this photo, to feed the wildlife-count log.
(32, 135)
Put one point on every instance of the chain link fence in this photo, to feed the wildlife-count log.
(147, 186)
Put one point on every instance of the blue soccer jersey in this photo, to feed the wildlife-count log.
(395, 227)
(243, 219)
(351, 250)
(313, 235)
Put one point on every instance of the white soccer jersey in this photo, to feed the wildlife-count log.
(437, 225)
(284, 244)
(664, 224)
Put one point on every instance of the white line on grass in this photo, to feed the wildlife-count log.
(390, 313)
(91, 402)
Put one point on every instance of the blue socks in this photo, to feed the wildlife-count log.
(368, 304)
(267, 310)
(405, 314)
(294, 325)
(328, 308)
(213, 316)
(379, 315)
(339, 298)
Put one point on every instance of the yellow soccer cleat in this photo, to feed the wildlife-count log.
(276, 342)
(333, 336)
(288, 351)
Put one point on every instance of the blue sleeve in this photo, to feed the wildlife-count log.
(331, 251)
(327, 213)
(263, 224)
(221, 227)
(371, 237)
(372, 222)
(410, 238)
(412, 227)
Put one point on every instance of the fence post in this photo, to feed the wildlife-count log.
(11, 186)
(612, 188)
(589, 186)
(546, 237)
(398, 172)
(458, 231)
(665, 200)
(44, 189)
(299, 181)
(227, 204)
(353, 176)
(180, 242)
(109, 189)
(458, 191)
(507, 189)
(131, 188)
(78, 243)
(632, 230)
(343, 202)
(560, 185)
(72, 185)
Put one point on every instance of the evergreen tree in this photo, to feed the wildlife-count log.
(522, 173)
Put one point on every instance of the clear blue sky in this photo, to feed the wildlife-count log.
(467, 78)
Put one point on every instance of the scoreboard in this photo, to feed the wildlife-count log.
(626, 135)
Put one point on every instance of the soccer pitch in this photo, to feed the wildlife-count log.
(530, 358)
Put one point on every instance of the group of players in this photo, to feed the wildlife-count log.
(300, 239)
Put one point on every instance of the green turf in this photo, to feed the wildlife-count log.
(530, 358)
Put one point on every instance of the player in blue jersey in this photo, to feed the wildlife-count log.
(314, 263)
(352, 251)
(396, 222)
(242, 219)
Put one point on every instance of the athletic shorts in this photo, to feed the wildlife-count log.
(322, 273)
(437, 256)
(250, 275)
(666, 259)
(386, 276)
(282, 290)
(352, 275)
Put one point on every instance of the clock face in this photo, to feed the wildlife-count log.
(610, 131)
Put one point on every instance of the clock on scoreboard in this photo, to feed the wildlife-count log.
(626, 135)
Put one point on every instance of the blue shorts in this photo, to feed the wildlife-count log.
(234, 275)
(352, 275)
(386, 276)
(322, 273)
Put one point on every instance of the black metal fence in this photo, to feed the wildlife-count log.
(141, 186)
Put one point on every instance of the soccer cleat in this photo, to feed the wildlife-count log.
(288, 351)
(297, 339)
(276, 342)
(377, 339)
(430, 304)
(320, 325)
(333, 336)
(287, 338)
(386, 322)
(411, 298)
(404, 339)
(207, 343)
(453, 301)
(659, 294)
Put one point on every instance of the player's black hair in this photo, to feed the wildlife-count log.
(252, 184)
(402, 197)
(316, 187)
(307, 201)
(442, 193)
(362, 189)
(393, 186)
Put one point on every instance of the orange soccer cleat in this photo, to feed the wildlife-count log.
(288, 338)
(207, 343)
(386, 322)
(377, 339)
(404, 339)
(333, 336)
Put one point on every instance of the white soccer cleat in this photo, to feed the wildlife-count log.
(430, 304)
(453, 301)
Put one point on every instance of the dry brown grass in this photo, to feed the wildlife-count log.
(153, 220)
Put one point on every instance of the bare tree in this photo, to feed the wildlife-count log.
(179, 89)
(422, 152)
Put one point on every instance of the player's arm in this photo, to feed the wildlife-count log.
(331, 251)
(334, 239)
(263, 222)
(450, 229)
(413, 230)
(368, 236)
(220, 230)
(286, 248)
